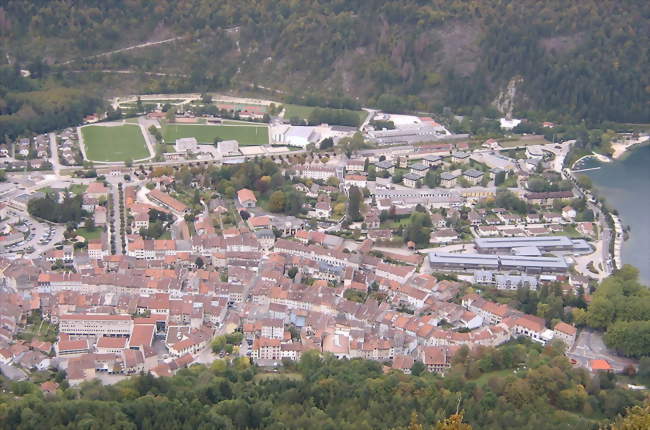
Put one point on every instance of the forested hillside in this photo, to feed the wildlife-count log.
(518, 386)
(586, 59)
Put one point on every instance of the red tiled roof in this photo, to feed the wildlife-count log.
(245, 194)
(111, 342)
(600, 365)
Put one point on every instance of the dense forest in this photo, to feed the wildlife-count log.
(36, 106)
(585, 60)
(517, 386)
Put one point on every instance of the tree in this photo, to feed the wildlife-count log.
(277, 201)
(418, 368)
(171, 115)
(432, 179)
(631, 338)
(327, 143)
(90, 224)
(218, 344)
(293, 202)
(333, 181)
(418, 229)
(292, 272)
(372, 173)
(198, 262)
(584, 182)
(355, 199)
(454, 422)
(206, 98)
(636, 418)
(499, 178)
(644, 370)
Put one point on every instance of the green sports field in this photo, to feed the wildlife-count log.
(114, 143)
(246, 135)
(303, 112)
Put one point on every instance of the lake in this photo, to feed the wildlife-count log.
(625, 183)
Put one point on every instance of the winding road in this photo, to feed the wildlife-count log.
(128, 48)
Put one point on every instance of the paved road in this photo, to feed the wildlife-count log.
(128, 48)
(369, 117)
(116, 218)
(54, 159)
(590, 346)
(82, 146)
(605, 239)
(147, 138)
(605, 232)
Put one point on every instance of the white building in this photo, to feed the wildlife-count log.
(299, 136)
(509, 124)
(96, 324)
(186, 144)
(228, 147)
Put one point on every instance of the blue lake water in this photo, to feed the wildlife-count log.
(625, 183)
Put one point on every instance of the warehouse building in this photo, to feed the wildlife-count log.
(508, 245)
(473, 262)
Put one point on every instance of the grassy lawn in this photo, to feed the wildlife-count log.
(303, 112)
(246, 135)
(403, 222)
(167, 235)
(78, 188)
(90, 235)
(524, 141)
(37, 328)
(298, 111)
(569, 231)
(118, 143)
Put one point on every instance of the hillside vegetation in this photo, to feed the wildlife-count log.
(621, 307)
(586, 59)
(326, 393)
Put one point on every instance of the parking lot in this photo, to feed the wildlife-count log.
(41, 236)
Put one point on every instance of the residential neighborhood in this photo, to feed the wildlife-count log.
(382, 254)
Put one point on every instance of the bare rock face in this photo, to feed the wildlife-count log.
(505, 100)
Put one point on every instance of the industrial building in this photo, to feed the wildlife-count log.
(436, 198)
(509, 245)
(472, 262)
(408, 135)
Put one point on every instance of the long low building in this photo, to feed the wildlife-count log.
(167, 201)
(471, 262)
(506, 245)
(96, 324)
(408, 135)
(432, 197)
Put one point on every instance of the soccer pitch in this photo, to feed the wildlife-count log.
(246, 135)
(114, 143)
(303, 112)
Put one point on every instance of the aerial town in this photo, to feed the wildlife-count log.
(394, 241)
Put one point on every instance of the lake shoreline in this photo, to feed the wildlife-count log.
(624, 183)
